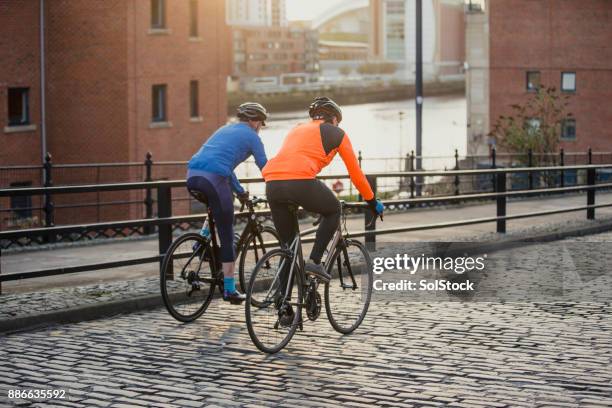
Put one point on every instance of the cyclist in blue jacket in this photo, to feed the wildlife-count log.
(211, 172)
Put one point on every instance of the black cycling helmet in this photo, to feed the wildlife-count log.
(252, 111)
(324, 107)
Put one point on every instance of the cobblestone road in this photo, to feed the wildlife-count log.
(444, 353)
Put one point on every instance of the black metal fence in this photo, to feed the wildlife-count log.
(21, 212)
(165, 221)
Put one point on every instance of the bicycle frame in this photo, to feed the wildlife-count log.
(213, 239)
(295, 249)
(250, 227)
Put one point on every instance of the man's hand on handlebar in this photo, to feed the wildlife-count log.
(377, 207)
(243, 197)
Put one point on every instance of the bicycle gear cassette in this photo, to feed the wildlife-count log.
(313, 305)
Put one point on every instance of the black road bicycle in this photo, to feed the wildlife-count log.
(274, 309)
(191, 268)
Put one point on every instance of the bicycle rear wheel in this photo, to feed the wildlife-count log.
(348, 294)
(186, 277)
(271, 318)
(252, 250)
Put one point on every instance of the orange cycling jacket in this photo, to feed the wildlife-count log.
(311, 146)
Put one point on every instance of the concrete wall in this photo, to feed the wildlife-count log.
(477, 83)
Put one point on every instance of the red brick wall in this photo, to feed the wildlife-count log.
(256, 41)
(554, 36)
(20, 67)
(101, 63)
(175, 59)
(87, 80)
(87, 116)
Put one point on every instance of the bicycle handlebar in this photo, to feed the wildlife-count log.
(252, 202)
(320, 217)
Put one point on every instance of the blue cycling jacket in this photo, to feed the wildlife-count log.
(226, 149)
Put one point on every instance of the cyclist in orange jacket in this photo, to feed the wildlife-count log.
(291, 178)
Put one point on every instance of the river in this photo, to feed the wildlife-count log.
(384, 132)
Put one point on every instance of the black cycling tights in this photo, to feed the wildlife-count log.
(313, 196)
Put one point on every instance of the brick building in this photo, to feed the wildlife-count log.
(121, 77)
(524, 44)
(273, 51)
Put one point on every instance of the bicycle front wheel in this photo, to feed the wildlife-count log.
(348, 294)
(186, 278)
(253, 249)
(271, 316)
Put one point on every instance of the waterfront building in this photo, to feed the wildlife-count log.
(106, 81)
(273, 51)
(344, 30)
(256, 13)
(517, 46)
(393, 36)
(267, 51)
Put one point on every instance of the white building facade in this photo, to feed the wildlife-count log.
(394, 35)
(256, 13)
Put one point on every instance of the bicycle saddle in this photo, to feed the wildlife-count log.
(293, 206)
(199, 196)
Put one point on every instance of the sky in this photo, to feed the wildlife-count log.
(307, 9)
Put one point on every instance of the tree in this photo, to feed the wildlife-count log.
(535, 125)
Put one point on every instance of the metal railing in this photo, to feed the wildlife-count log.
(165, 220)
(95, 208)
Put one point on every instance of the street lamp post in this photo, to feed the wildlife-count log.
(419, 90)
(401, 139)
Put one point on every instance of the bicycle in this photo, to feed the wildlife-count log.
(269, 294)
(191, 268)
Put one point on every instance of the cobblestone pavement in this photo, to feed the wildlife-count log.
(32, 303)
(14, 305)
(461, 353)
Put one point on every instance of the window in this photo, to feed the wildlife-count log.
(533, 80)
(158, 14)
(193, 18)
(568, 81)
(568, 130)
(18, 106)
(159, 103)
(193, 96)
(22, 205)
(532, 125)
(395, 22)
